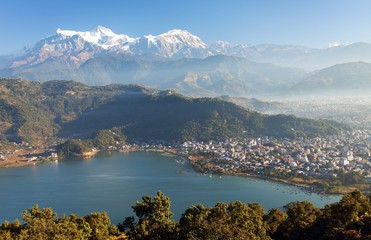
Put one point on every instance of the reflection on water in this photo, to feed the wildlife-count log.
(113, 182)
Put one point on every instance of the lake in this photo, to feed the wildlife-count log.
(113, 182)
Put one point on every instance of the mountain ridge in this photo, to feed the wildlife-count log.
(340, 79)
(211, 76)
(38, 112)
(176, 59)
(176, 44)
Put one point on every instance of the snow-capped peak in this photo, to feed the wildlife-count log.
(101, 36)
(105, 38)
(339, 44)
(75, 47)
(221, 47)
(67, 32)
(181, 36)
(99, 30)
(176, 32)
(104, 30)
(224, 44)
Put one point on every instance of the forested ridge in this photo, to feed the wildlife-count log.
(38, 112)
(350, 218)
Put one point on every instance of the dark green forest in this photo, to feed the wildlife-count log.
(350, 218)
(40, 112)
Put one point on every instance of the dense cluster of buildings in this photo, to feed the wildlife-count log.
(320, 157)
(317, 157)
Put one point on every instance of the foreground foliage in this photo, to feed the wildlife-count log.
(45, 224)
(350, 218)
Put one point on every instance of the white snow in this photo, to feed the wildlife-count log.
(105, 38)
(339, 44)
(176, 42)
(182, 36)
(102, 36)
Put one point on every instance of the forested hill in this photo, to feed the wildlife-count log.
(36, 112)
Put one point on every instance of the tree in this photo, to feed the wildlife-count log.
(10, 230)
(39, 223)
(154, 219)
(82, 225)
(194, 223)
(274, 219)
(248, 218)
(350, 218)
(234, 221)
(100, 225)
(45, 224)
(300, 217)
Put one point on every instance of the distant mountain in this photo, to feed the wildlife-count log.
(298, 56)
(216, 75)
(38, 112)
(282, 55)
(211, 76)
(175, 59)
(72, 48)
(337, 54)
(348, 78)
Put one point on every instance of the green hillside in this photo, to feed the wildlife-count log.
(38, 112)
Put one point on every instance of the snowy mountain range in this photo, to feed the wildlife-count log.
(167, 44)
(73, 47)
(176, 59)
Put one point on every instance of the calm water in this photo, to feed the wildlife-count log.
(114, 182)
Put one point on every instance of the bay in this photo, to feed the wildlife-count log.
(113, 182)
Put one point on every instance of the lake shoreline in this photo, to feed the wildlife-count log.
(24, 157)
(303, 184)
(18, 160)
(80, 186)
(298, 182)
(192, 158)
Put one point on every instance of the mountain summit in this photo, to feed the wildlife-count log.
(100, 36)
(72, 48)
(180, 60)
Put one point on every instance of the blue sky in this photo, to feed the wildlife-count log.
(313, 23)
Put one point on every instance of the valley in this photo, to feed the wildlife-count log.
(76, 120)
(352, 110)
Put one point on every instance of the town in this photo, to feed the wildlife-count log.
(317, 157)
(267, 157)
(285, 160)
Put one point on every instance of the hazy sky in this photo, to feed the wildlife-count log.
(313, 23)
